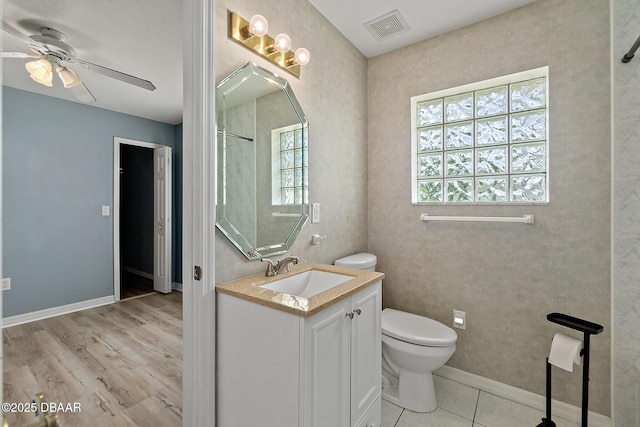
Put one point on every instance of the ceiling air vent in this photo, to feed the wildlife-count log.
(387, 25)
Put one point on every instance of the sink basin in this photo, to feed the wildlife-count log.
(307, 283)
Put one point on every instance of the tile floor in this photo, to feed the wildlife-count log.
(462, 406)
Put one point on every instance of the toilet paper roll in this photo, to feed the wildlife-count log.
(565, 351)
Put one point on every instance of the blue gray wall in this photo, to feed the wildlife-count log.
(57, 173)
(176, 224)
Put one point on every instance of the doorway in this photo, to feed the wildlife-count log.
(142, 218)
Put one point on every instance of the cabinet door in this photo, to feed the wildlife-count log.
(366, 350)
(373, 417)
(326, 382)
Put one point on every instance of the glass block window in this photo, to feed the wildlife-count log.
(482, 143)
(289, 174)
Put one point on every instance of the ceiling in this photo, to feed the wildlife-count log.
(144, 38)
(425, 18)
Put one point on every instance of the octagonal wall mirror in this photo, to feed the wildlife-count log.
(262, 174)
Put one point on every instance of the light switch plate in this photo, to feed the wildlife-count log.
(106, 211)
(6, 284)
(315, 213)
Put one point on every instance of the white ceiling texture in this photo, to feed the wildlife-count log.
(144, 38)
(424, 19)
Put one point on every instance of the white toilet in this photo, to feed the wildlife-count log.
(412, 348)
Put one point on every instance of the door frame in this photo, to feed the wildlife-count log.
(117, 143)
(199, 214)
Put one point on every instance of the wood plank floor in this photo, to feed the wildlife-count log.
(122, 362)
(133, 285)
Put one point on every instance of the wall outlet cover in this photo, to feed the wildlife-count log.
(459, 319)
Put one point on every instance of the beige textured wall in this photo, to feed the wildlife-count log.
(333, 94)
(626, 237)
(507, 277)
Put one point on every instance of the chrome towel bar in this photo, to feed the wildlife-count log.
(525, 219)
(285, 215)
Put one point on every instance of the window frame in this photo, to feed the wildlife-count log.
(541, 72)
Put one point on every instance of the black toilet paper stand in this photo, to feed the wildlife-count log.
(588, 328)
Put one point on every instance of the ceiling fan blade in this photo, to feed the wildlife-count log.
(20, 35)
(127, 78)
(17, 55)
(83, 93)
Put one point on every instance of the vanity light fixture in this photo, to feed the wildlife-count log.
(302, 56)
(258, 25)
(253, 35)
(282, 43)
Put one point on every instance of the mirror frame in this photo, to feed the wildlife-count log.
(225, 87)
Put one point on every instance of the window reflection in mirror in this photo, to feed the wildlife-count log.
(262, 187)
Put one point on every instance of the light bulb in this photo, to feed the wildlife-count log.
(40, 71)
(282, 43)
(302, 56)
(258, 25)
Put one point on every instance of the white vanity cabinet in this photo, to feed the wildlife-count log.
(279, 369)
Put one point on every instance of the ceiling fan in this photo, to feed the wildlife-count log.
(52, 53)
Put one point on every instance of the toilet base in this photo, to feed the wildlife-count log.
(415, 392)
(390, 394)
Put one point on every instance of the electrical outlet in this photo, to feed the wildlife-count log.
(6, 284)
(459, 319)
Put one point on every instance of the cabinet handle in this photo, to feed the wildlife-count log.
(350, 315)
(358, 311)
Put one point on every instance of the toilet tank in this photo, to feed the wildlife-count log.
(361, 261)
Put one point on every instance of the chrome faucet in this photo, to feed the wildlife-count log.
(273, 269)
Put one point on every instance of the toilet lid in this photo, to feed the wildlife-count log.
(416, 329)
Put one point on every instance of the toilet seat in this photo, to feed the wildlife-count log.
(416, 329)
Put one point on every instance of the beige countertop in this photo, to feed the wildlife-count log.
(250, 288)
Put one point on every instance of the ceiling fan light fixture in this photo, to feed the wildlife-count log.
(40, 71)
(68, 77)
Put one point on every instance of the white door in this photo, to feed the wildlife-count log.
(162, 220)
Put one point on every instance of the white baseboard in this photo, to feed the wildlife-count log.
(138, 272)
(559, 409)
(55, 311)
(174, 285)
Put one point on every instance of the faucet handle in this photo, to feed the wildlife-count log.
(271, 267)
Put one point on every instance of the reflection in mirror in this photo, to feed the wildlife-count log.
(262, 171)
